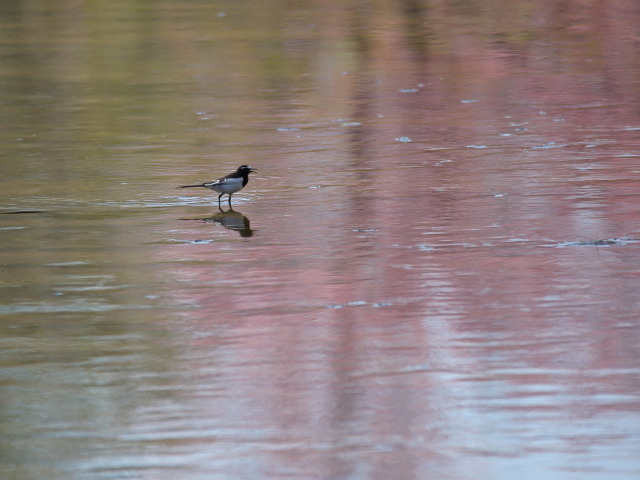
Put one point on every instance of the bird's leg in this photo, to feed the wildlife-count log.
(230, 199)
(219, 197)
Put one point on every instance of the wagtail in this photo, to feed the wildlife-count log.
(232, 183)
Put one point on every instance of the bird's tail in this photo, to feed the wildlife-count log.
(191, 186)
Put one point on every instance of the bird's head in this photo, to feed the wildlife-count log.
(245, 169)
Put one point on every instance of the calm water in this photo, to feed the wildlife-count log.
(433, 275)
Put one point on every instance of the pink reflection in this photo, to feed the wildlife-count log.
(404, 303)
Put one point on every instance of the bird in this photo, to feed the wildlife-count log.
(229, 184)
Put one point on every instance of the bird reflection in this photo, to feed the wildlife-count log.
(232, 220)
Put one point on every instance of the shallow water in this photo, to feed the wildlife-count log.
(434, 273)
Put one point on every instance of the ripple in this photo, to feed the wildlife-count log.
(75, 307)
(607, 242)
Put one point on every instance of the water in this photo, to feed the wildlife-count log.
(434, 273)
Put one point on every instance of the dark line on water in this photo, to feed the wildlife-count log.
(22, 211)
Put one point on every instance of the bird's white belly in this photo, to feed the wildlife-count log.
(231, 185)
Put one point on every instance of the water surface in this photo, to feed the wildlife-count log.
(434, 273)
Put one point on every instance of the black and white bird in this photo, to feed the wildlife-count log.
(232, 183)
